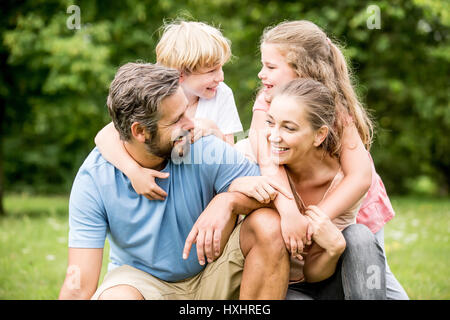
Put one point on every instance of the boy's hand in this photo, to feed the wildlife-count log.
(205, 127)
(143, 182)
(261, 188)
(294, 229)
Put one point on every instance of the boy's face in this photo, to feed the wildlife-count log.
(202, 83)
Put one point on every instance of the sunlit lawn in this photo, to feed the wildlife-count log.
(33, 247)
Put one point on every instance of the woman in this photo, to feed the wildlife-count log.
(300, 135)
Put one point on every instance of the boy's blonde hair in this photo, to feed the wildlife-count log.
(189, 46)
(312, 54)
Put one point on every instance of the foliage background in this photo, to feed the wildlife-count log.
(54, 81)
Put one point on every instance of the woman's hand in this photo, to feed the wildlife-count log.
(325, 233)
(143, 182)
(260, 188)
(205, 127)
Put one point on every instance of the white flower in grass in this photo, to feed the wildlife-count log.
(50, 257)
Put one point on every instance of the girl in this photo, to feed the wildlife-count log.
(300, 49)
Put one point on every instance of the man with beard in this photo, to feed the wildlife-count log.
(150, 240)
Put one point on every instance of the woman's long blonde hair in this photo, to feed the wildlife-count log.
(312, 54)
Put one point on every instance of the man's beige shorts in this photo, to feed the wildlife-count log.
(220, 280)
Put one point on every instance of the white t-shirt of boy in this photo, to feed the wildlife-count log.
(221, 109)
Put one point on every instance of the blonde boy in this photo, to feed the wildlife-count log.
(198, 51)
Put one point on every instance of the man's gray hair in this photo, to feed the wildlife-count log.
(136, 93)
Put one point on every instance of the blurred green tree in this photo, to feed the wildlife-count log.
(55, 78)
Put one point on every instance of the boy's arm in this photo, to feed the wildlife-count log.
(82, 274)
(356, 166)
(142, 179)
(112, 149)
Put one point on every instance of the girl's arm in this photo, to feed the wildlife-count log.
(142, 179)
(356, 166)
(293, 224)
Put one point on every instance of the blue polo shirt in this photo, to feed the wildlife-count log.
(150, 235)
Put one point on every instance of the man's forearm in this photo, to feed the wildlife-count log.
(241, 204)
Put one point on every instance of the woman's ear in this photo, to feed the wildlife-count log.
(320, 136)
(139, 132)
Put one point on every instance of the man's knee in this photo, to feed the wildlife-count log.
(263, 229)
(121, 292)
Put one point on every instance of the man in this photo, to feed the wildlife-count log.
(147, 238)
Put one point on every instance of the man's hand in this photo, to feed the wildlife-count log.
(212, 229)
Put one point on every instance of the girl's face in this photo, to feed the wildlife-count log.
(275, 70)
(202, 83)
(290, 135)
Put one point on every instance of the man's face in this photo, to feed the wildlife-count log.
(174, 128)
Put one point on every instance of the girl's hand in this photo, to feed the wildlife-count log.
(294, 231)
(325, 233)
(260, 188)
(205, 127)
(143, 182)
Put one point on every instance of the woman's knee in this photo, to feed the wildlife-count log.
(359, 237)
(363, 265)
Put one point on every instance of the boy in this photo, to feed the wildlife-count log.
(198, 51)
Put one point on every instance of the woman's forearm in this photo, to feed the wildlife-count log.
(321, 263)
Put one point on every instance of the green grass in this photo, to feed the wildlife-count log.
(418, 248)
(33, 247)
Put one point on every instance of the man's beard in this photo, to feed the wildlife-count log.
(171, 150)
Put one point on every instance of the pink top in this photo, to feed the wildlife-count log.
(376, 208)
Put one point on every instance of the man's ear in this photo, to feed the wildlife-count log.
(182, 76)
(139, 132)
(320, 136)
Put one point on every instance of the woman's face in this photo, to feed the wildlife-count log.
(289, 133)
(275, 71)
